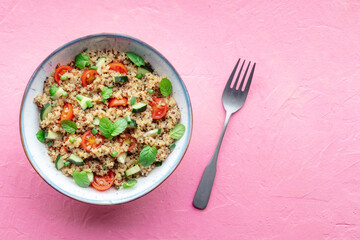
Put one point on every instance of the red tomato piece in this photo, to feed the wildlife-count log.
(88, 76)
(119, 67)
(159, 108)
(90, 141)
(60, 71)
(116, 102)
(127, 138)
(102, 183)
(67, 112)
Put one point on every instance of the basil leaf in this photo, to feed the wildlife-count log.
(106, 127)
(53, 89)
(147, 155)
(81, 178)
(50, 143)
(165, 87)
(137, 60)
(68, 126)
(40, 135)
(82, 60)
(178, 131)
(130, 183)
(119, 126)
(106, 93)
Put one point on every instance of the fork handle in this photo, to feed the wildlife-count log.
(203, 191)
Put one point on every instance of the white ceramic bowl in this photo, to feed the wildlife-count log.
(29, 120)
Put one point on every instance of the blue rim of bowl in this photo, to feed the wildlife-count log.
(154, 185)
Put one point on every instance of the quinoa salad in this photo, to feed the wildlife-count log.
(108, 118)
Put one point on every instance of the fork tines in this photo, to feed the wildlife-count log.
(234, 85)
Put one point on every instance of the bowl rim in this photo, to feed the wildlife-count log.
(115, 35)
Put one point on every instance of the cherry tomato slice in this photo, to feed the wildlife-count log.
(67, 112)
(60, 71)
(102, 183)
(88, 76)
(115, 102)
(119, 67)
(127, 138)
(90, 141)
(159, 108)
(65, 148)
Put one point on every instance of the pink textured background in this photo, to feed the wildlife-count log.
(289, 167)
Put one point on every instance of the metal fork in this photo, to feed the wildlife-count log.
(233, 99)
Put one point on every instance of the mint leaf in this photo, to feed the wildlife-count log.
(68, 126)
(81, 178)
(119, 126)
(130, 183)
(106, 127)
(82, 60)
(53, 89)
(137, 60)
(165, 87)
(178, 131)
(106, 93)
(40, 135)
(147, 155)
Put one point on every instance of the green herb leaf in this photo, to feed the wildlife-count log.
(150, 91)
(40, 135)
(50, 143)
(65, 94)
(53, 89)
(67, 164)
(81, 178)
(116, 187)
(130, 183)
(165, 87)
(93, 67)
(137, 60)
(94, 131)
(106, 93)
(172, 146)
(68, 126)
(63, 77)
(72, 140)
(178, 131)
(106, 127)
(103, 166)
(119, 126)
(82, 60)
(147, 155)
(139, 75)
(109, 129)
